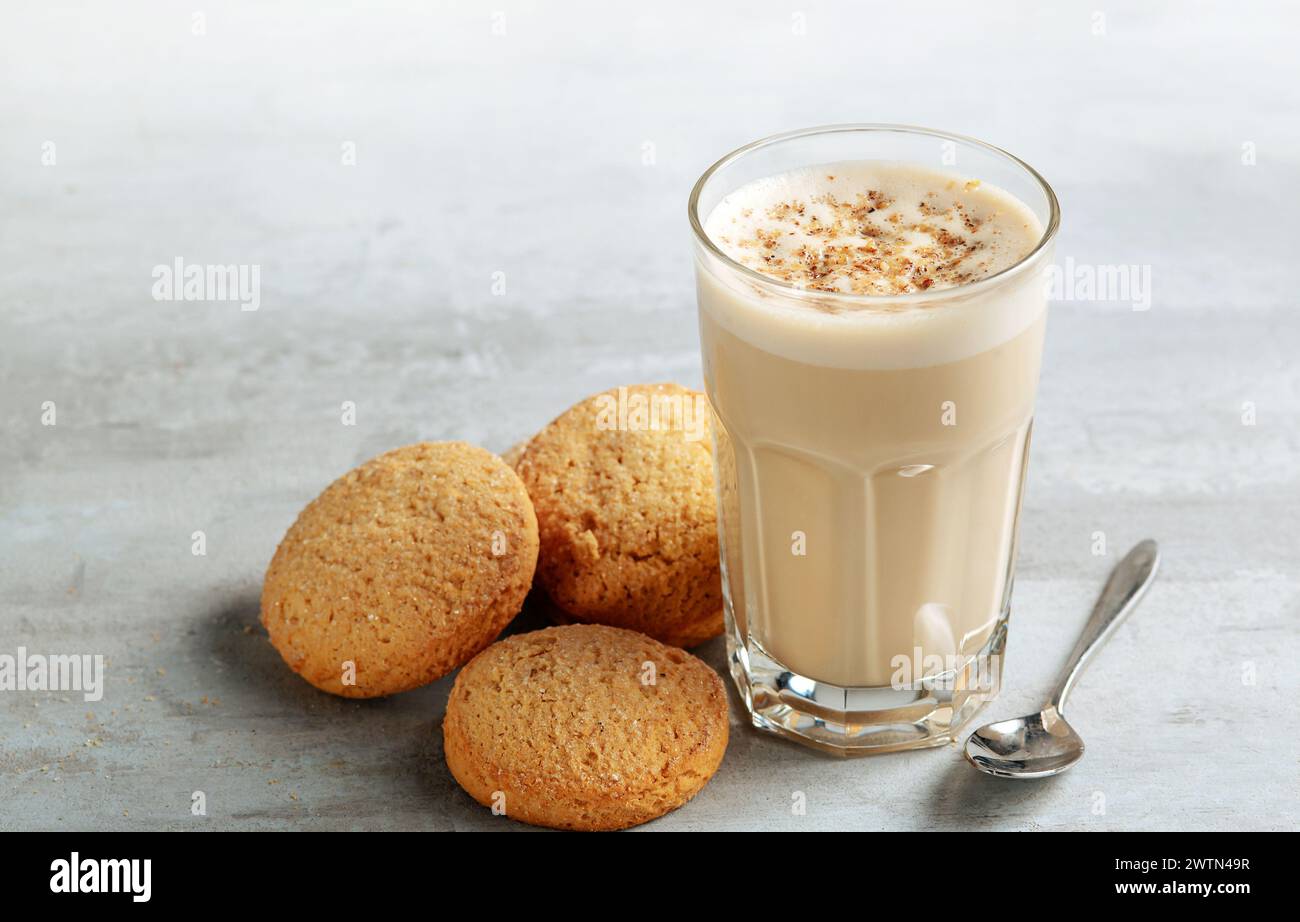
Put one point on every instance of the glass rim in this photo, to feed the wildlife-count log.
(918, 297)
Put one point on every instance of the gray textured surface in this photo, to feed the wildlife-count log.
(524, 154)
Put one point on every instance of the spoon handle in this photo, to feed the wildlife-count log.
(1127, 584)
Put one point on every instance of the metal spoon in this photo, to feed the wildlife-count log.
(1043, 744)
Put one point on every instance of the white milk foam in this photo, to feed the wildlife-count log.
(882, 230)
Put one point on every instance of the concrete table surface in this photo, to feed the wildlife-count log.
(465, 219)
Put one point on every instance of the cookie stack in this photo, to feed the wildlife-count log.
(409, 566)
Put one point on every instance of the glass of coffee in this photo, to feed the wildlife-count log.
(872, 302)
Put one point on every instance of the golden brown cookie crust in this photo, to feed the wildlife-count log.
(686, 635)
(585, 727)
(628, 520)
(406, 567)
(512, 454)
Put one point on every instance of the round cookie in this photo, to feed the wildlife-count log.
(627, 515)
(405, 568)
(585, 727)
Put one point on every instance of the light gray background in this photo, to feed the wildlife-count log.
(561, 154)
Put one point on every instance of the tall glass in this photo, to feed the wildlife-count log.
(871, 454)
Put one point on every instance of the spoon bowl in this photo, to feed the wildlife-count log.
(1036, 746)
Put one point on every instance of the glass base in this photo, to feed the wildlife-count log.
(860, 721)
